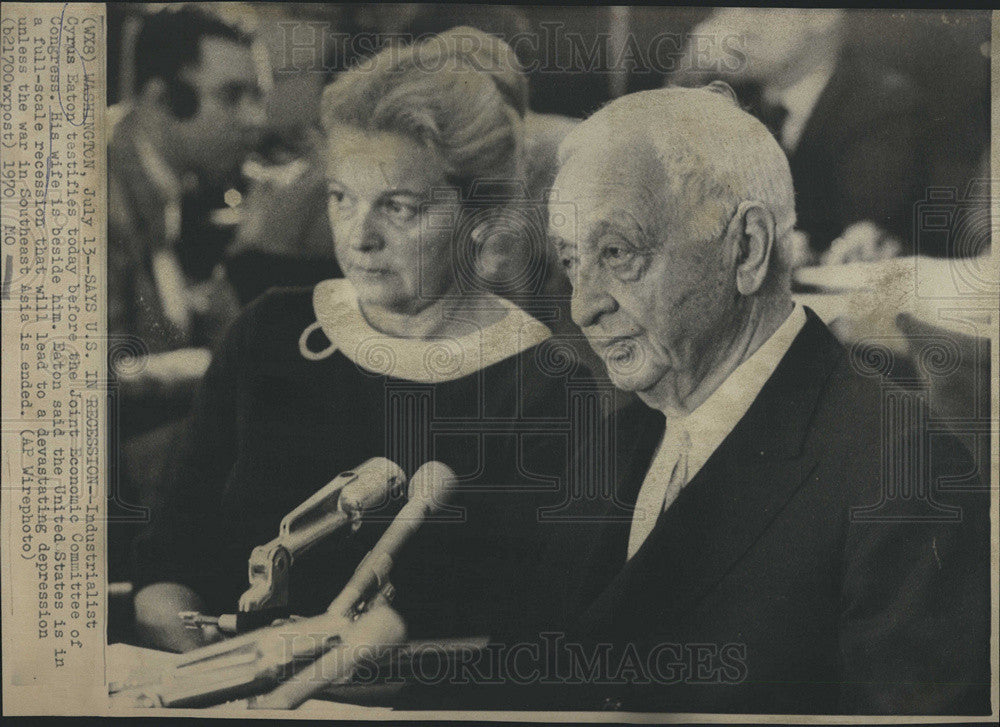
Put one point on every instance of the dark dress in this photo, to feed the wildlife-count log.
(270, 427)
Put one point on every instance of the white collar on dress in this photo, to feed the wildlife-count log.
(338, 315)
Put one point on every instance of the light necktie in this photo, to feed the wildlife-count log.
(658, 493)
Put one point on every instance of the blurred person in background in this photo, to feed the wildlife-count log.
(849, 125)
(281, 234)
(196, 113)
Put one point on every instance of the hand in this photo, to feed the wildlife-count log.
(214, 293)
(214, 304)
(157, 622)
(173, 368)
(861, 242)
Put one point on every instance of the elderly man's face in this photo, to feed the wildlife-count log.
(654, 300)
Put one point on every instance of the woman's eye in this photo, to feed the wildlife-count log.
(400, 211)
(338, 204)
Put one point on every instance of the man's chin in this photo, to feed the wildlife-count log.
(632, 381)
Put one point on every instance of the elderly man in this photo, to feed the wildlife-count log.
(795, 543)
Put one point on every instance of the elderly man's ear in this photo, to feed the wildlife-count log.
(753, 235)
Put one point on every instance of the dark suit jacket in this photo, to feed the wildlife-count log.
(795, 573)
(859, 156)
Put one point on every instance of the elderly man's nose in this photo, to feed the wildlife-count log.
(590, 302)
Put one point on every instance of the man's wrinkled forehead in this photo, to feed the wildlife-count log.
(603, 174)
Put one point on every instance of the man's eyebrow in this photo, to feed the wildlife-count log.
(627, 227)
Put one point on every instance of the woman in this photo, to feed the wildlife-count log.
(407, 357)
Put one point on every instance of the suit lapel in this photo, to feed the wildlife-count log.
(722, 512)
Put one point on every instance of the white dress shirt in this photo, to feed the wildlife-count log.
(689, 441)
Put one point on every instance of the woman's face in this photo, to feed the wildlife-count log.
(379, 204)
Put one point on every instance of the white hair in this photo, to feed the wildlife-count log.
(714, 156)
(461, 92)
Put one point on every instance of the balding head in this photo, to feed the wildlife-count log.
(681, 201)
(703, 153)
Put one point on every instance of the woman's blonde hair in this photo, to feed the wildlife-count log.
(461, 92)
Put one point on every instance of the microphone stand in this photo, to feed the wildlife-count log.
(358, 617)
(259, 662)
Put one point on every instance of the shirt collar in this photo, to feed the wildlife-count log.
(718, 415)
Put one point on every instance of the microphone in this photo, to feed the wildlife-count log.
(377, 479)
(340, 502)
(430, 488)
(362, 602)
(346, 497)
(260, 660)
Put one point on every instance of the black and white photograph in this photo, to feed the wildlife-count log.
(506, 361)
